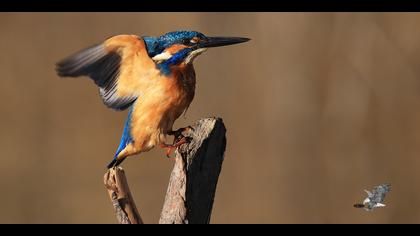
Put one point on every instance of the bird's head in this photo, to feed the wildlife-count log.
(179, 47)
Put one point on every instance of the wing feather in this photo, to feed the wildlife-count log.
(117, 66)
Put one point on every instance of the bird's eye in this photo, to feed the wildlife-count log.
(194, 40)
(186, 42)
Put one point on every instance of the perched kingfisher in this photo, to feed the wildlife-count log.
(152, 77)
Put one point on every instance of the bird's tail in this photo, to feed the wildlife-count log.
(115, 162)
(125, 140)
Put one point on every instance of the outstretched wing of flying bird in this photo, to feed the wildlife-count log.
(379, 193)
(119, 66)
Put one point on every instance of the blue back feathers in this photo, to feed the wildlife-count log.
(126, 137)
(125, 140)
(152, 45)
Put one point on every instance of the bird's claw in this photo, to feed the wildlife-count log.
(179, 139)
(177, 143)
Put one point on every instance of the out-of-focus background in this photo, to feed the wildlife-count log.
(318, 107)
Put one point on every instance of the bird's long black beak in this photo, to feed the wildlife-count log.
(221, 41)
(359, 205)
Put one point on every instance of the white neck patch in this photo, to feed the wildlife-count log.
(162, 57)
(190, 58)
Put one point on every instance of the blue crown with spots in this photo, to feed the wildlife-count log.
(156, 45)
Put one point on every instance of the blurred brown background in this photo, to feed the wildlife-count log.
(317, 106)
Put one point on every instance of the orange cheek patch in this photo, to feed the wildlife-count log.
(175, 48)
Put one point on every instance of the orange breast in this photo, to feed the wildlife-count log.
(163, 101)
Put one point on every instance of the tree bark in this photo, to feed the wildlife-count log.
(192, 185)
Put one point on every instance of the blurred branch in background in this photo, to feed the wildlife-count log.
(192, 185)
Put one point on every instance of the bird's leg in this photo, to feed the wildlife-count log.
(178, 133)
(179, 139)
(171, 147)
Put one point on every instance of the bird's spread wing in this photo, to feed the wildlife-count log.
(379, 192)
(118, 66)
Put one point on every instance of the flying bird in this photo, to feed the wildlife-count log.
(375, 197)
(151, 77)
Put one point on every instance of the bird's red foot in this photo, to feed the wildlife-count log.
(171, 147)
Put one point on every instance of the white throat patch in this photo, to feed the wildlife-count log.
(190, 58)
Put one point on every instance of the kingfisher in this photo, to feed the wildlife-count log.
(375, 197)
(151, 77)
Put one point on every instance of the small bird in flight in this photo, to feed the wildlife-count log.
(375, 197)
(152, 77)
